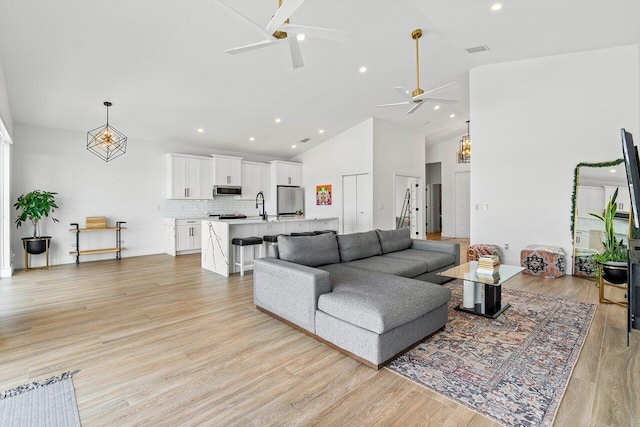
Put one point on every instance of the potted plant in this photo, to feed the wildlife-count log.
(35, 206)
(615, 253)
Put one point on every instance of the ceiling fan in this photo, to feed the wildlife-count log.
(418, 96)
(280, 30)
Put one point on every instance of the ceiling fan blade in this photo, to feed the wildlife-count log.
(296, 55)
(249, 23)
(394, 104)
(440, 100)
(321, 33)
(405, 93)
(253, 46)
(415, 107)
(443, 88)
(286, 10)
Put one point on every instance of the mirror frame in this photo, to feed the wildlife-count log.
(576, 173)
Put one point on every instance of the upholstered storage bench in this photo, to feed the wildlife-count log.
(365, 294)
(543, 261)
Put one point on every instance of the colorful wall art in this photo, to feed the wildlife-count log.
(323, 194)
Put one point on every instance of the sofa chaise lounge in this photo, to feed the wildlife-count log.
(369, 295)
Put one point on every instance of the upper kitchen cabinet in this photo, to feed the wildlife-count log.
(286, 173)
(256, 177)
(227, 170)
(189, 177)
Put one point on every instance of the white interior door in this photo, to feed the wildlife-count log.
(356, 203)
(363, 222)
(463, 204)
(349, 204)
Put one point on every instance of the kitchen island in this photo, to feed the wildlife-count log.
(217, 251)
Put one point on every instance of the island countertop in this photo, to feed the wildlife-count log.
(217, 251)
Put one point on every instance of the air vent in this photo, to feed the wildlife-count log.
(477, 49)
(305, 140)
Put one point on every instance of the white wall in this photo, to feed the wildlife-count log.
(348, 153)
(396, 150)
(533, 121)
(6, 131)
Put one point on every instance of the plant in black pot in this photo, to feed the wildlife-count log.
(35, 206)
(615, 254)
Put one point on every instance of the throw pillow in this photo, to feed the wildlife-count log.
(358, 245)
(309, 250)
(394, 240)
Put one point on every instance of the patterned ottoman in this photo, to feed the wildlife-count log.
(583, 263)
(543, 261)
(474, 252)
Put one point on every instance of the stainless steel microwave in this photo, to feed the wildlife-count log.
(226, 190)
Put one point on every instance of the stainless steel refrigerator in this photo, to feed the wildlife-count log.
(290, 200)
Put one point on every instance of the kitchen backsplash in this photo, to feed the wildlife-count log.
(202, 208)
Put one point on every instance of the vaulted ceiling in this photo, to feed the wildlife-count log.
(162, 63)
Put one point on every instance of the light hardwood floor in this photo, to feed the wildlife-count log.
(160, 341)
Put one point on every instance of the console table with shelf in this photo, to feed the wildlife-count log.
(117, 250)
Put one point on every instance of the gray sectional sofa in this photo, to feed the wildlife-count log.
(371, 295)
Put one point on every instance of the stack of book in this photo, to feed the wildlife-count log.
(488, 269)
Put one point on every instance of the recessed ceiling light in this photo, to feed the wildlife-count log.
(200, 130)
(451, 116)
(252, 139)
(363, 69)
(321, 131)
(437, 107)
(278, 120)
(612, 170)
(293, 146)
(301, 37)
(496, 7)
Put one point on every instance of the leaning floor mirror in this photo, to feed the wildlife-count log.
(594, 184)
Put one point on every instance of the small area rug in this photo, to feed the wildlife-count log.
(514, 369)
(50, 402)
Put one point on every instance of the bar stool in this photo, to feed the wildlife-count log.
(303, 233)
(242, 242)
(272, 244)
(324, 232)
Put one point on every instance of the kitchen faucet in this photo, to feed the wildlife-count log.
(263, 214)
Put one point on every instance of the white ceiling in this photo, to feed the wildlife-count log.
(163, 63)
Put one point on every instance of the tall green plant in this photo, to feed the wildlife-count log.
(614, 250)
(35, 206)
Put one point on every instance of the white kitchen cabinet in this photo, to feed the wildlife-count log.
(189, 177)
(227, 170)
(286, 173)
(256, 177)
(623, 201)
(188, 235)
(590, 200)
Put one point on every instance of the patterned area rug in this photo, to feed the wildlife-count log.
(514, 369)
(50, 402)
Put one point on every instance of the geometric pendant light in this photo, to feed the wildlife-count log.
(106, 141)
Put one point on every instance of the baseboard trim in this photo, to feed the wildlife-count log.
(6, 272)
(342, 350)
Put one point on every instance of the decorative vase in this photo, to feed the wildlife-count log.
(615, 272)
(36, 245)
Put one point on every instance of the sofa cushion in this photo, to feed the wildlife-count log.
(394, 240)
(395, 266)
(309, 250)
(434, 260)
(378, 302)
(358, 245)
